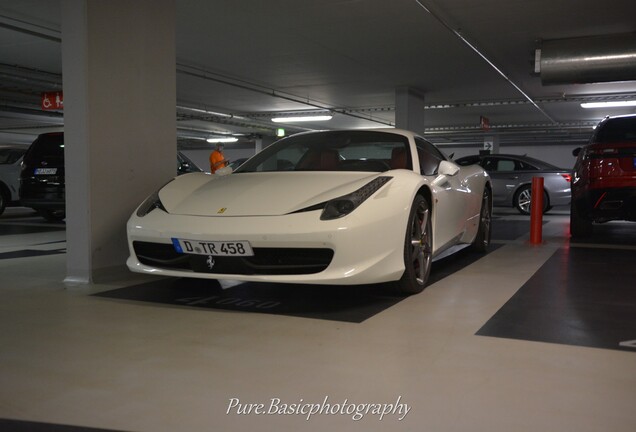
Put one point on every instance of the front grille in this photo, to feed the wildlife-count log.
(266, 261)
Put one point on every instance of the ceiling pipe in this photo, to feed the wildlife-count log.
(30, 28)
(480, 54)
(244, 85)
(588, 59)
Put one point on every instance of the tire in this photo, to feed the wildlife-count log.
(418, 248)
(52, 215)
(482, 239)
(579, 225)
(523, 197)
(3, 200)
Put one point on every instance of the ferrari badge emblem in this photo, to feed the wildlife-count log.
(221, 210)
(210, 262)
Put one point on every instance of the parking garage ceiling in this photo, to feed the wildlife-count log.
(240, 63)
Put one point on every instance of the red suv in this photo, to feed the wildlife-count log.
(604, 181)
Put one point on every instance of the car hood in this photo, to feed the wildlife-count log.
(257, 194)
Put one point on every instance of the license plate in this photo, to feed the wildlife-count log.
(214, 248)
(45, 171)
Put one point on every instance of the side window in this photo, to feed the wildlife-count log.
(429, 156)
(523, 166)
(505, 165)
(469, 160)
(489, 164)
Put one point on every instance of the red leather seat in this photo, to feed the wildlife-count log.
(398, 158)
(320, 160)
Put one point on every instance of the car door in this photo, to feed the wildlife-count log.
(503, 176)
(10, 171)
(451, 198)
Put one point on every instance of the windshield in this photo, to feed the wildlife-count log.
(615, 130)
(47, 146)
(333, 151)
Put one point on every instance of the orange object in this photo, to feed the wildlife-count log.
(217, 161)
(536, 211)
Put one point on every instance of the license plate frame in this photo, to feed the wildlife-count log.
(45, 171)
(234, 248)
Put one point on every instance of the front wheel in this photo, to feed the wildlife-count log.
(418, 248)
(482, 239)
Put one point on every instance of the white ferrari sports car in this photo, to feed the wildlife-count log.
(336, 207)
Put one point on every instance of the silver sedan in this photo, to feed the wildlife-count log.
(512, 180)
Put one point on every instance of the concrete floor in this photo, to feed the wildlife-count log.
(70, 357)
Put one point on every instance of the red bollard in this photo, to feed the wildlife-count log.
(536, 211)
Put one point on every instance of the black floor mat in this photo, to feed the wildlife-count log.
(7, 425)
(580, 296)
(339, 303)
(13, 229)
(30, 253)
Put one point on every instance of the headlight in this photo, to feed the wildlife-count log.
(344, 205)
(151, 203)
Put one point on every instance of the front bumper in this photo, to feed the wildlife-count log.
(360, 248)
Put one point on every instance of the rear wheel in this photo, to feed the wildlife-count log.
(52, 215)
(3, 200)
(482, 239)
(523, 199)
(579, 225)
(418, 248)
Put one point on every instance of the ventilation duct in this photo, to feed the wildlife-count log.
(587, 60)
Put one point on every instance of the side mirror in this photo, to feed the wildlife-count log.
(576, 151)
(447, 168)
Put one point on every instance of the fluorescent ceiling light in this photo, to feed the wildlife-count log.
(301, 119)
(222, 140)
(611, 104)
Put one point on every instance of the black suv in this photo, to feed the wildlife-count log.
(42, 176)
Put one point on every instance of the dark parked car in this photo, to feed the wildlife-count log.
(237, 163)
(42, 184)
(512, 180)
(10, 158)
(42, 176)
(604, 183)
(185, 165)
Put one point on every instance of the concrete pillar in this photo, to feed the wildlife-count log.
(409, 109)
(119, 72)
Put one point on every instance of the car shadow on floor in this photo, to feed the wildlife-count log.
(616, 233)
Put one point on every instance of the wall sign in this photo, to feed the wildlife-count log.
(52, 101)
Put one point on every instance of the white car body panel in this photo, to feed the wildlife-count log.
(263, 208)
(253, 194)
(10, 177)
